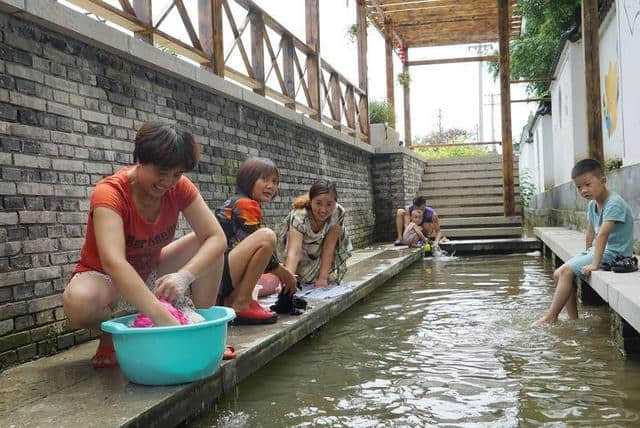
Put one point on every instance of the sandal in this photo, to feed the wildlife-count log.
(229, 353)
(398, 243)
(625, 265)
(255, 315)
(105, 357)
(608, 265)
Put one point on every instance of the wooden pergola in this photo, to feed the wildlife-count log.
(424, 23)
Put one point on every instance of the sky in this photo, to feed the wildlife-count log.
(453, 88)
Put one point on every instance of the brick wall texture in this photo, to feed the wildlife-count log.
(68, 115)
(397, 179)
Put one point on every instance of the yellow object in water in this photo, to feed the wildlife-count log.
(426, 247)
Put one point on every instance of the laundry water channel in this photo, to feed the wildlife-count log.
(446, 342)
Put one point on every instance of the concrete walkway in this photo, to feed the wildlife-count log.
(65, 391)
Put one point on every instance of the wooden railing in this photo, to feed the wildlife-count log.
(314, 87)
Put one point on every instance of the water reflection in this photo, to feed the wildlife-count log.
(446, 343)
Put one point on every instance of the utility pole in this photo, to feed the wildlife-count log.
(480, 102)
(492, 104)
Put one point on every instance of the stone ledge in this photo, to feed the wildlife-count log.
(52, 15)
(619, 290)
(64, 390)
(399, 150)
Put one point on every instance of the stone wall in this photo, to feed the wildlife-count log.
(562, 206)
(397, 177)
(68, 115)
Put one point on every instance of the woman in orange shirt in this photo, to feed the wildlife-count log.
(129, 251)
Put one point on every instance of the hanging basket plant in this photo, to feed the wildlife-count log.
(404, 79)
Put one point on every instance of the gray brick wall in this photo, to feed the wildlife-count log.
(68, 115)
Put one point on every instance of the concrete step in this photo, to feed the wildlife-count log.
(480, 182)
(458, 175)
(482, 210)
(467, 201)
(431, 193)
(492, 246)
(465, 168)
(453, 222)
(481, 232)
(466, 160)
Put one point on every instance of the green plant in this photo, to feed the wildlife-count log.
(611, 164)
(352, 31)
(382, 112)
(527, 187)
(450, 152)
(404, 79)
(532, 53)
(167, 50)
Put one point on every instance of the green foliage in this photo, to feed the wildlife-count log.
(531, 54)
(611, 164)
(451, 152)
(352, 31)
(167, 50)
(447, 136)
(404, 79)
(381, 112)
(527, 187)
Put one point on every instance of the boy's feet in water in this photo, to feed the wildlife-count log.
(105, 355)
(546, 319)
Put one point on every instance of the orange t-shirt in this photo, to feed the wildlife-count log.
(143, 239)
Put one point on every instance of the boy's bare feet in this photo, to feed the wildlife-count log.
(546, 319)
(105, 355)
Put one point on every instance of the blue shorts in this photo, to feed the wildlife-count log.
(576, 263)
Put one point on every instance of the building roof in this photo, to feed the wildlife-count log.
(420, 23)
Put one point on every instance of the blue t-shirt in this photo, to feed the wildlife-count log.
(620, 240)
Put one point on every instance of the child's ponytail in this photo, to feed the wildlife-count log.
(302, 201)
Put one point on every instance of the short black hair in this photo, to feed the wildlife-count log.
(166, 145)
(253, 169)
(420, 200)
(587, 166)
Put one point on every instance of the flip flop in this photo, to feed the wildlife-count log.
(255, 315)
(105, 357)
(229, 353)
(625, 265)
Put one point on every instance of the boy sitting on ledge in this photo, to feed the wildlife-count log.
(609, 235)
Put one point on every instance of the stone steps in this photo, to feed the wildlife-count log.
(482, 232)
(456, 222)
(466, 201)
(467, 193)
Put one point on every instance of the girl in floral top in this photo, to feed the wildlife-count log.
(251, 247)
(313, 239)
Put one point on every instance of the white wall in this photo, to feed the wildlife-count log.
(628, 14)
(612, 138)
(545, 125)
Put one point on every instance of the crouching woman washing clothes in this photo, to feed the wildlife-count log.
(129, 252)
(313, 239)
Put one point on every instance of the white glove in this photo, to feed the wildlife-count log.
(174, 285)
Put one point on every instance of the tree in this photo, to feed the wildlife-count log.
(533, 51)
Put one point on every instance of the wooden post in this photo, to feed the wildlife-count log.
(591, 42)
(257, 49)
(407, 101)
(142, 8)
(334, 88)
(210, 32)
(388, 54)
(505, 101)
(363, 70)
(288, 70)
(312, 21)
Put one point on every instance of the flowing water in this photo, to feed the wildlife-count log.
(446, 343)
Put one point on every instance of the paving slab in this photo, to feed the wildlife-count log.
(65, 391)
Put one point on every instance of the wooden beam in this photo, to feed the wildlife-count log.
(407, 102)
(361, 34)
(532, 100)
(535, 80)
(143, 13)
(288, 69)
(453, 60)
(257, 50)
(591, 40)
(388, 54)
(210, 32)
(334, 87)
(505, 102)
(312, 24)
